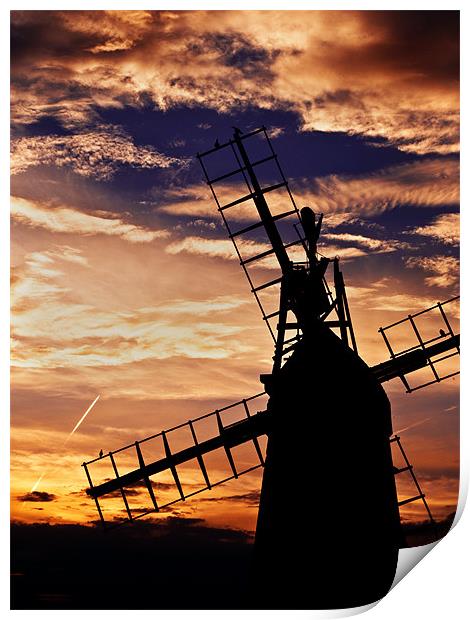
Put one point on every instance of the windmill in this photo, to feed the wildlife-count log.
(324, 412)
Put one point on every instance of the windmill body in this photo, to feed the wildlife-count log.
(329, 448)
(328, 528)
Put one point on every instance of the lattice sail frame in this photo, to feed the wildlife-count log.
(434, 362)
(286, 225)
(225, 428)
(249, 427)
(292, 213)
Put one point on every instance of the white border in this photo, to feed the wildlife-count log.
(438, 587)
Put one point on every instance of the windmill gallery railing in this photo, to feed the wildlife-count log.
(243, 423)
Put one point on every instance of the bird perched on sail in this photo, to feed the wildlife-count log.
(216, 144)
(101, 454)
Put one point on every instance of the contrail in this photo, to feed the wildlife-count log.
(37, 483)
(77, 425)
(402, 430)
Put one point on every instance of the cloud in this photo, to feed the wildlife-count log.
(250, 498)
(428, 183)
(354, 247)
(38, 281)
(223, 248)
(378, 296)
(343, 198)
(373, 246)
(344, 253)
(198, 308)
(444, 228)
(71, 221)
(119, 30)
(53, 326)
(37, 496)
(193, 200)
(202, 224)
(444, 270)
(98, 153)
(361, 72)
(275, 132)
(220, 248)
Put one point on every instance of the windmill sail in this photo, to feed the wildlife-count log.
(440, 347)
(224, 429)
(273, 239)
(252, 429)
(264, 237)
(245, 421)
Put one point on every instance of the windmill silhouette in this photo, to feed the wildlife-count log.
(327, 418)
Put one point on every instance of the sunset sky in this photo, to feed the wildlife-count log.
(124, 283)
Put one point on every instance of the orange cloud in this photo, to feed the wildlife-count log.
(367, 72)
(378, 297)
(63, 331)
(96, 153)
(425, 183)
(222, 248)
(429, 183)
(355, 246)
(371, 245)
(118, 30)
(444, 269)
(443, 228)
(71, 221)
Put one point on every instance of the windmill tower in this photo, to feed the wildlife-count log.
(327, 417)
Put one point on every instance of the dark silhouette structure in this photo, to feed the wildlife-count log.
(327, 419)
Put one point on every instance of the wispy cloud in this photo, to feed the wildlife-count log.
(428, 183)
(444, 270)
(380, 296)
(223, 248)
(343, 252)
(193, 200)
(71, 221)
(52, 327)
(220, 248)
(369, 244)
(350, 246)
(118, 30)
(444, 228)
(98, 153)
(343, 198)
